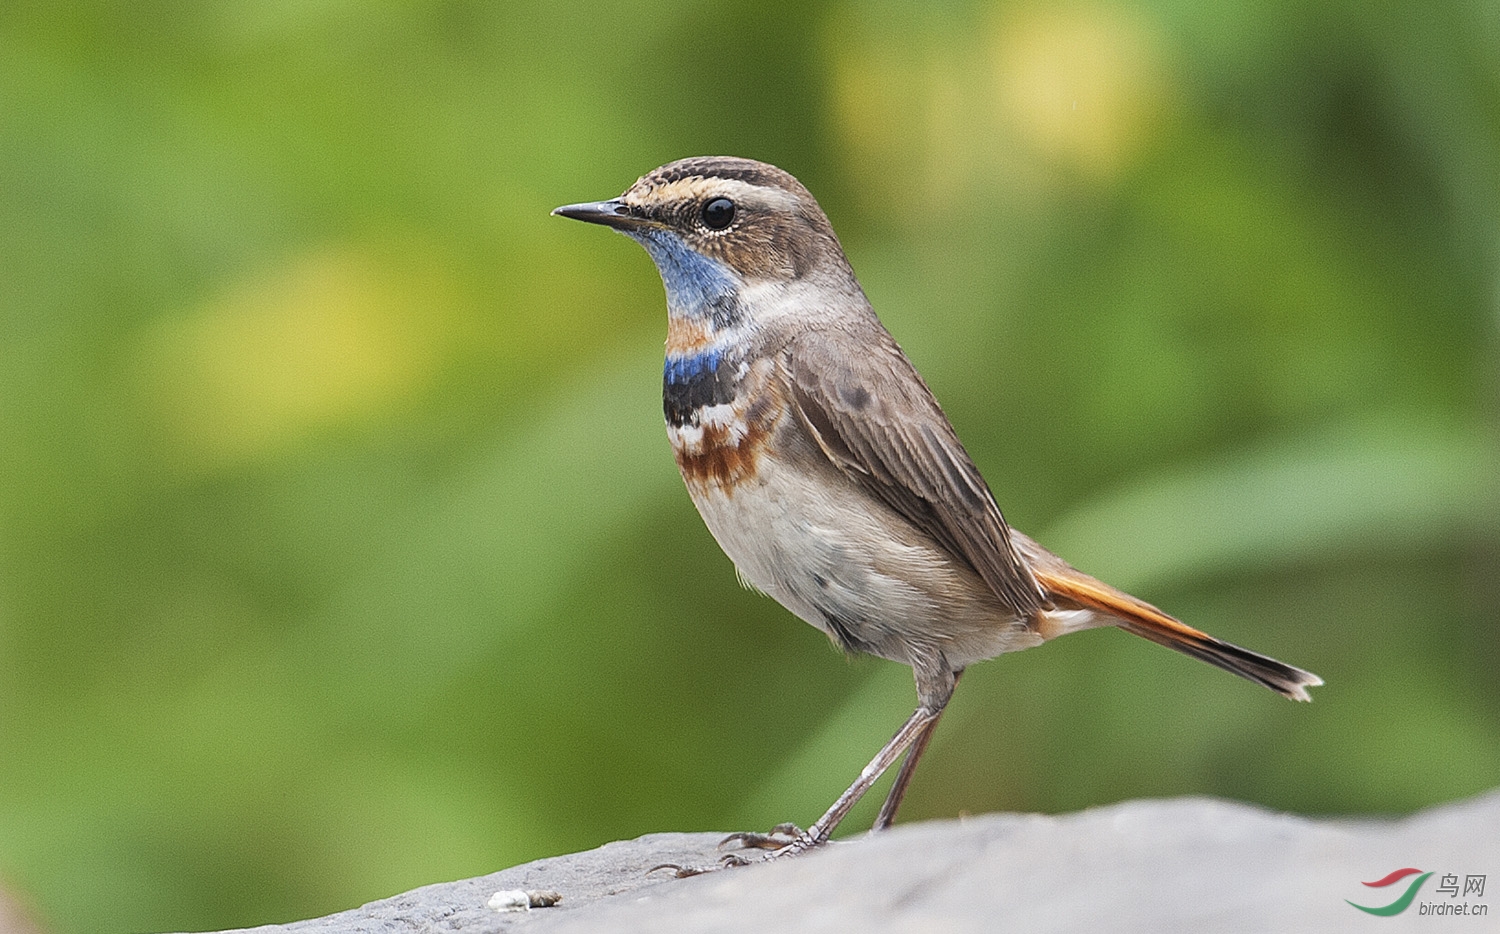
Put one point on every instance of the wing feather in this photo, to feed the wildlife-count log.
(877, 421)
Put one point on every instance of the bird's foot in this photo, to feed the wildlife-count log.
(728, 861)
(779, 837)
(781, 841)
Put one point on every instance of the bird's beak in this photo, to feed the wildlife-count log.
(614, 213)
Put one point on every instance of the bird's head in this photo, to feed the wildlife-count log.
(716, 225)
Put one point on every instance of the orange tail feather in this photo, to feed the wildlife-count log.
(1073, 589)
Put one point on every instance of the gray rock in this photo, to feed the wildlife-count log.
(1189, 864)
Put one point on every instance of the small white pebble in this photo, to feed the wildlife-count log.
(510, 900)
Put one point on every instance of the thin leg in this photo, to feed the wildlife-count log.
(818, 834)
(887, 814)
(823, 828)
(934, 688)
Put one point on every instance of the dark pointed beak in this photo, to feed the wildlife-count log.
(614, 213)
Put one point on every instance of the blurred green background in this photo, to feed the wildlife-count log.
(341, 549)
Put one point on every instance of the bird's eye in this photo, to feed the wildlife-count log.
(718, 213)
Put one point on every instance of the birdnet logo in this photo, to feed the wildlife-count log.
(1448, 884)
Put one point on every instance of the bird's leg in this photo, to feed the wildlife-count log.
(818, 834)
(823, 828)
(887, 814)
(934, 688)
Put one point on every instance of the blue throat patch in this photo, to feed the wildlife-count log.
(697, 286)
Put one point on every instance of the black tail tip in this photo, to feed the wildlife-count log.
(1288, 681)
(1284, 679)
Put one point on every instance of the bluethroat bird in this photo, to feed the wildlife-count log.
(822, 464)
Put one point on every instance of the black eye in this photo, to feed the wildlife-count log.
(718, 213)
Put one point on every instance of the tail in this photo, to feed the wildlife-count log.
(1072, 589)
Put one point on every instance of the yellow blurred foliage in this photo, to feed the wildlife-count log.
(931, 115)
(1083, 86)
(336, 336)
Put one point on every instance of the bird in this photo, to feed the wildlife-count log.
(825, 469)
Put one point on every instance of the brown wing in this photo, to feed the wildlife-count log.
(875, 418)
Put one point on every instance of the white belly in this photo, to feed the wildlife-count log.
(845, 563)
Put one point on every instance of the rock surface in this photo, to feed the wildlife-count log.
(1190, 864)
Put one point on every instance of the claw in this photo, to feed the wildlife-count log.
(727, 861)
(782, 840)
(682, 872)
(779, 836)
